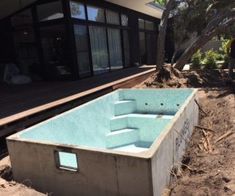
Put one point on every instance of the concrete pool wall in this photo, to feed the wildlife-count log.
(123, 143)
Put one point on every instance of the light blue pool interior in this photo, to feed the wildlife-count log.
(125, 120)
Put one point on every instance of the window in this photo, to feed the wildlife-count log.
(124, 19)
(50, 11)
(146, 25)
(142, 46)
(126, 46)
(151, 47)
(141, 24)
(149, 25)
(77, 10)
(115, 49)
(112, 17)
(55, 50)
(99, 49)
(24, 41)
(95, 14)
(23, 18)
(66, 161)
(81, 39)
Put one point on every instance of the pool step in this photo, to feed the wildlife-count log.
(124, 107)
(122, 122)
(118, 122)
(122, 137)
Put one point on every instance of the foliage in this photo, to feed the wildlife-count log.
(197, 60)
(223, 48)
(160, 2)
(210, 59)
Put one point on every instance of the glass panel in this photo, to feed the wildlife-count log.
(23, 18)
(124, 19)
(126, 45)
(142, 47)
(50, 11)
(95, 14)
(54, 45)
(68, 161)
(141, 23)
(149, 25)
(77, 10)
(25, 44)
(81, 39)
(115, 48)
(151, 40)
(99, 49)
(112, 17)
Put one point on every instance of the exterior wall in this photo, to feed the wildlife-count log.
(100, 174)
(172, 147)
(67, 22)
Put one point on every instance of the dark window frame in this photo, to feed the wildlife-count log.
(106, 25)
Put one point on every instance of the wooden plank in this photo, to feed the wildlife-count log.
(68, 99)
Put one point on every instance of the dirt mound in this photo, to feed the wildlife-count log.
(10, 187)
(209, 163)
(172, 78)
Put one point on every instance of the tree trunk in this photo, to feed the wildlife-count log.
(162, 35)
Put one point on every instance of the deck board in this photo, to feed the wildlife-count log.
(17, 102)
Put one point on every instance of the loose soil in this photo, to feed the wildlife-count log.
(208, 166)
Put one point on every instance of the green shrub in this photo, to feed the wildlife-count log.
(210, 59)
(197, 60)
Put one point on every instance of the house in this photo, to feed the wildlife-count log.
(59, 39)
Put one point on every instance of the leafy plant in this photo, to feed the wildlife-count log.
(210, 59)
(160, 2)
(197, 60)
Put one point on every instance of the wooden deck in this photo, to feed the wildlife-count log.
(26, 102)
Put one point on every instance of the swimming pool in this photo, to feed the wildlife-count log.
(125, 134)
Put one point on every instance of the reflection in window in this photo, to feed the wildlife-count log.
(24, 41)
(151, 40)
(141, 23)
(50, 11)
(142, 47)
(81, 39)
(112, 17)
(124, 19)
(99, 49)
(77, 10)
(149, 25)
(115, 49)
(54, 45)
(95, 14)
(126, 46)
(22, 18)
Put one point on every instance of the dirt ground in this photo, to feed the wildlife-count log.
(8, 187)
(208, 166)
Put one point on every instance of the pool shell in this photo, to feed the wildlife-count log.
(114, 154)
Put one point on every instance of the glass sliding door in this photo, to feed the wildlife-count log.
(99, 49)
(115, 48)
(81, 39)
